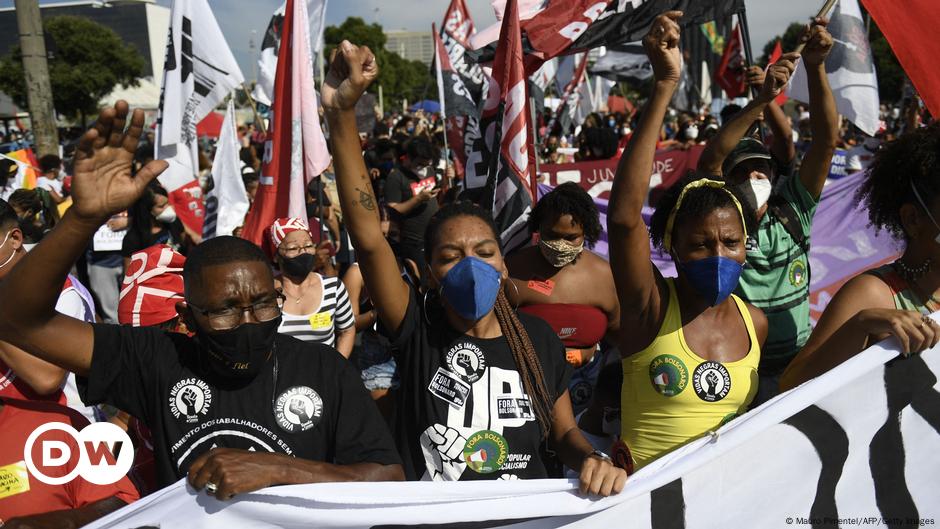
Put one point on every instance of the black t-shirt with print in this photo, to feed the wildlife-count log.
(308, 401)
(463, 412)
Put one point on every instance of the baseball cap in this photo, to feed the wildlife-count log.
(747, 149)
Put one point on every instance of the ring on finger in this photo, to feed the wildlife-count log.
(211, 488)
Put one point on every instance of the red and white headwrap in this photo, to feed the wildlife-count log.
(152, 285)
(281, 228)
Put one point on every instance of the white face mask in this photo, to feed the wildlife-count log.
(691, 132)
(167, 216)
(11, 253)
(761, 187)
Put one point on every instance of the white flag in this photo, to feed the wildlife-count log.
(227, 201)
(850, 68)
(267, 63)
(199, 72)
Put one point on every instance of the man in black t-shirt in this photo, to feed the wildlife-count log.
(238, 407)
(411, 193)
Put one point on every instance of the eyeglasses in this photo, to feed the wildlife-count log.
(293, 251)
(231, 317)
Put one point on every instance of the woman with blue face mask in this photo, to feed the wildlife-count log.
(481, 387)
(689, 347)
(902, 195)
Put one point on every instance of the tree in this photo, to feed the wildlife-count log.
(789, 41)
(87, 61)
(400, 78)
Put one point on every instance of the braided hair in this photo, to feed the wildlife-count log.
(523, 352)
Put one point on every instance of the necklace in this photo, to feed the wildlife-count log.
(912, 273)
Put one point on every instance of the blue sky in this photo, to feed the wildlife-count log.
(238, 18)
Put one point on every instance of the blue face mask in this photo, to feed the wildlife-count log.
(471, 288)
(715, 278)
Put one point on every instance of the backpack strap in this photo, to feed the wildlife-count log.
(787, 216)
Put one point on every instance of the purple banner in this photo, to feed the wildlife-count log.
(842, 242)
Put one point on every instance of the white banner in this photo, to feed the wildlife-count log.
(856, 447)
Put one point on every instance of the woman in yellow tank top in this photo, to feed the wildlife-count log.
(690, 349)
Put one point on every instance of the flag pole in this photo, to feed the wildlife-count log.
(254, 109)
(533, 115)
(749, 60)
(440, 96)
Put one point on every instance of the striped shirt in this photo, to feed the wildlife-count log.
(335, 313)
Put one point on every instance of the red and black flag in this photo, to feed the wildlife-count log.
(731, 72)
(511, 183)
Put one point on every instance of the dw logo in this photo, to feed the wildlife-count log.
(103, 450)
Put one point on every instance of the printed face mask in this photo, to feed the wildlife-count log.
(756, 192)
(239, 352)
(471, 288)
(715, 278)
(559, 252)
(167, 216)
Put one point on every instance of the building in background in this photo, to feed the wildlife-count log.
(411, 45)
(141, 23)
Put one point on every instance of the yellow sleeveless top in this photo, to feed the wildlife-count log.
(671, 396)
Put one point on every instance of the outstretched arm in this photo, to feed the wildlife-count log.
(823, 118)
(102, 186)
(719, 147)
(629, 240)
(352, 69)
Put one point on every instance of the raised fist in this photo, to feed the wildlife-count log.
(662, 46)
(777, 77)
(189, 399)
(297, 407)
(818, 42)
(352, 70)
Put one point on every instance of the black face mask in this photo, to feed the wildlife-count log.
(299, 266)
(239, 352)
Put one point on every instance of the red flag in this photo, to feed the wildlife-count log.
(907, 29)
(457, 22)
(774, 57)
(509, 76)
(295, 151)
(730, 76)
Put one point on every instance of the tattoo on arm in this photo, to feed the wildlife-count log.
(366, 200)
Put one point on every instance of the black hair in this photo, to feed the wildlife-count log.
(912, 159)
(8, 170)
(696, 204)
(601, 143)
(26, 200)
(139, 214)
(421, 148)
(460, 208)
(8, 218)
(568, 199)
(216, 251)
(728, 113)
(49, 162)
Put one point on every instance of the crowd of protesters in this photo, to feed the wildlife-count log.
(385, 336)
